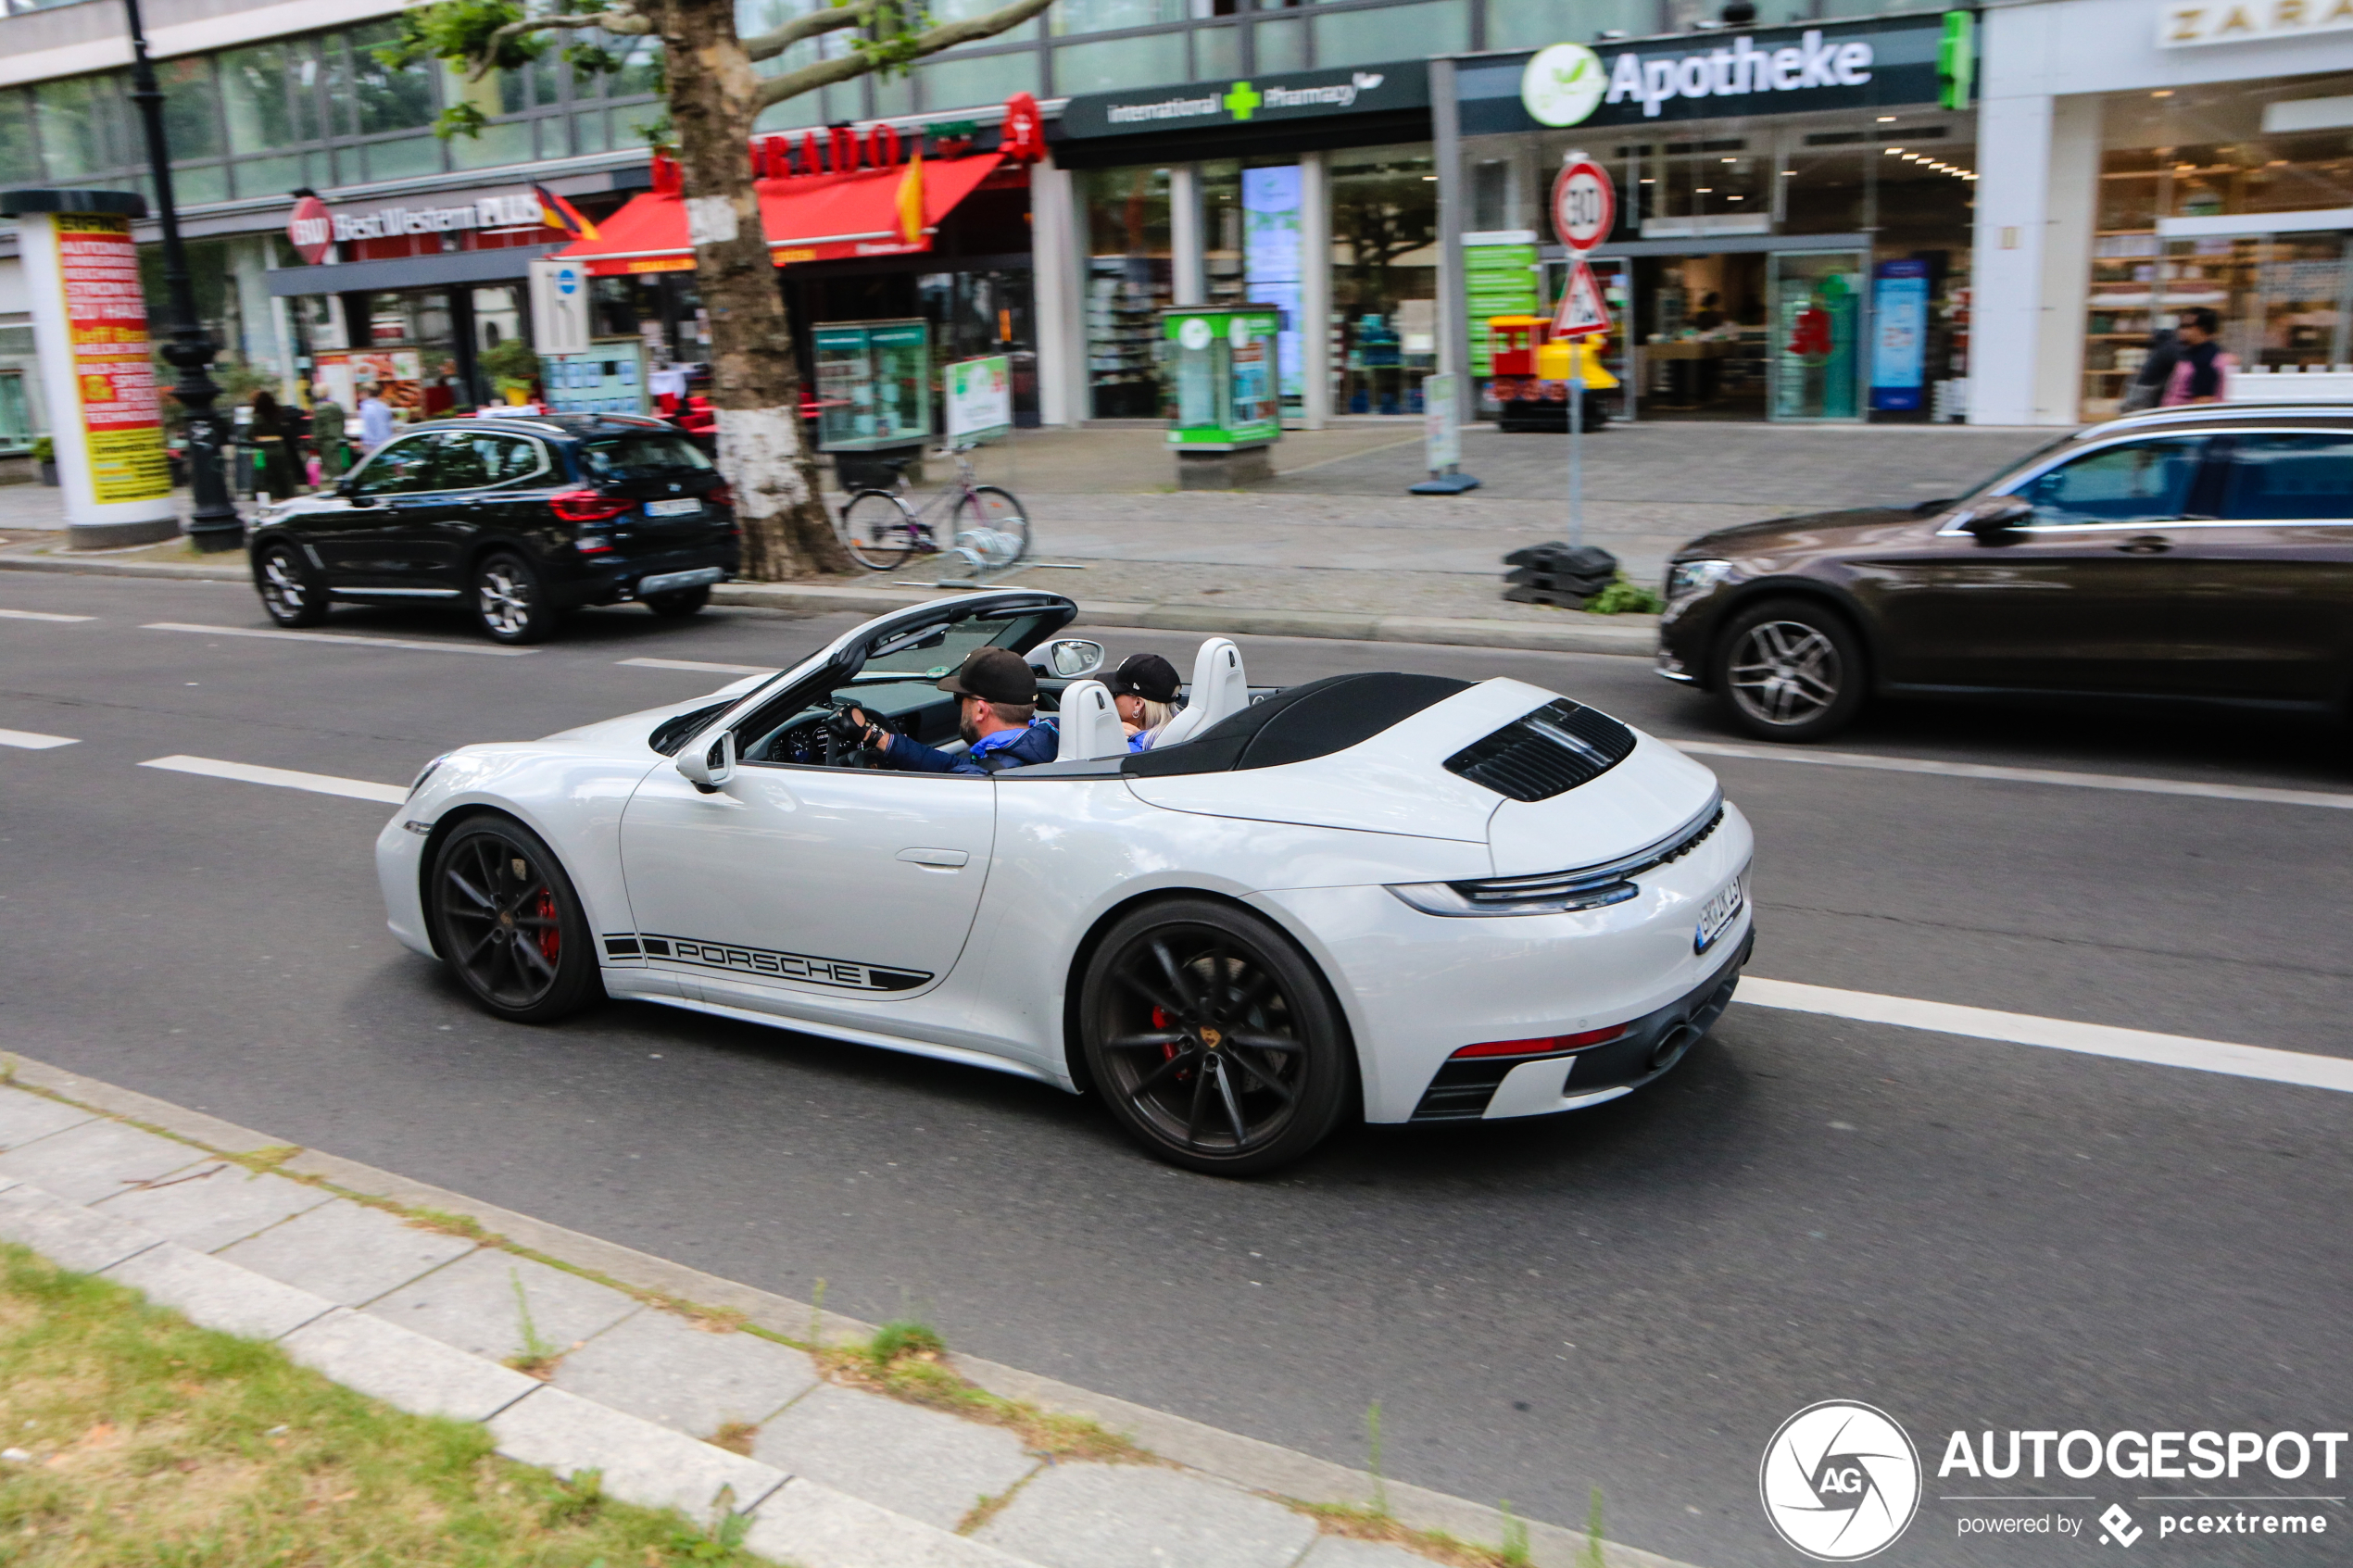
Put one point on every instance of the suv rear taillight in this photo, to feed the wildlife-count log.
(721, 494)
(586, 506)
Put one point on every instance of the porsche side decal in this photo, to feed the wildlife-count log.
(842, 972)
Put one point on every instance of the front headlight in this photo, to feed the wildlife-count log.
(426, 774)
(1689, 579)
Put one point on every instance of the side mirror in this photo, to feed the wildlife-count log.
(1993, 521)
(1073, 658)
(708, 764)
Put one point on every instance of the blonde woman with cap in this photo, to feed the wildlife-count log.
(1144, 690)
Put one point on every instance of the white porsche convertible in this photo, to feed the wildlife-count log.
(1405, 896)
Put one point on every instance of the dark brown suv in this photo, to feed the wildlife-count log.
(2202, 553)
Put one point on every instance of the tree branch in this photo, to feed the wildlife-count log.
(824, 73)
(827, 19)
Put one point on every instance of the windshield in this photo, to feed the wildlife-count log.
(939, 650)
(654, 456)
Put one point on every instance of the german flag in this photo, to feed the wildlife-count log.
(557, 213)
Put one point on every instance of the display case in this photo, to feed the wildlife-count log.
(874, 384)
(608, 377)
(1223, 364)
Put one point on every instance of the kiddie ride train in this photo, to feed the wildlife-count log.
(1532, 373)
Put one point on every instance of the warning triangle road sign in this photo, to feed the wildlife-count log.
(1582, 312)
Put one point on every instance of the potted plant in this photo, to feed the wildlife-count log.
(44, 452)
(512, 367)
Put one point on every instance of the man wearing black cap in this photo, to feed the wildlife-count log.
(996, 706)
(1144, 690)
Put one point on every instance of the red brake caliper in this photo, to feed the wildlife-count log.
(1168, 1049)
(550, 937)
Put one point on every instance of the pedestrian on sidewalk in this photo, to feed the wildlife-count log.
(2201, 375)
(2149, 383)
(273, 453)
(328, 437)
(375, 417)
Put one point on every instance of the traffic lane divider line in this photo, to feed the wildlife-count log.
(282, 778)
(2133, 783)
(39, 615)
(32, 740)
(699, 664)
(492, 650)
(2302, 1068)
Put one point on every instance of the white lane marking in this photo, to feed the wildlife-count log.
(283, 778)
(2057, 1034)
(39, 615)
(32, 740)
(2341, 800)
(699, 664)
(491, 649)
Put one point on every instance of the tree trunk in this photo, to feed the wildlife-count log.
(755, 387)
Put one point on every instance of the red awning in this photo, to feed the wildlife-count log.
(810, 218)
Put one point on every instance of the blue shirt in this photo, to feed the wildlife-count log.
(1011, 748)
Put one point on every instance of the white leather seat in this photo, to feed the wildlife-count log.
(1089, 723)
(1219, 689)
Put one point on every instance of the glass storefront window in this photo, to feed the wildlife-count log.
(253, 90)
(85, 126)
(498, 145)
(404, 159)
(953, 83)
(191, 108)
(1282, 45)
(1105, 16)
(2237, 150)
(385, 99)
(1384, 261)
(1217, 51)
(1392, 32)
(1129, 278)
(1534, 24)
(1114, 63)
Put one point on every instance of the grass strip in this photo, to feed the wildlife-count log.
(133, 1437)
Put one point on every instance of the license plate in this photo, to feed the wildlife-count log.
(669, 582)
(1717, 915)
(685, 506)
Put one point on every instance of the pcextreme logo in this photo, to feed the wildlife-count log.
(1839, 1481)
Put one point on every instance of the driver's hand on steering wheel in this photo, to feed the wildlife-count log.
(873, 734)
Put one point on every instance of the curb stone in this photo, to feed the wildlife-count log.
(1631, 636)
(804, 1521)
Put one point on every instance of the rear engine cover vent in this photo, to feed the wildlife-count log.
(1545, 753)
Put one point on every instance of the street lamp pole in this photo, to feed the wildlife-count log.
(214, 525)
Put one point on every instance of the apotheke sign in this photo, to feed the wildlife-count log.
(1310, 94)
(1782, 71)
(314, 225)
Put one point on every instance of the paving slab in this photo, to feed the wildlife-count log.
(215, 1206)
(67, 1234)
(95, 1159)
(1141, 1516)
(347, 1253)
(664, 1368)
(216, 1295)
(811, 1526)
(641, 1462)
(473, 1304)
(925, 1465)
(25, 1117)
(404, 1369)
(1339, 1551)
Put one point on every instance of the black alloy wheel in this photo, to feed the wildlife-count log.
(505, 917)
(678, 603)
(291, 592)
(508, 601)
(1790, 670)
(1212, 1038)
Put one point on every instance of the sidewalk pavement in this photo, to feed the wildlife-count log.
(1333, 546)
(685, 1390)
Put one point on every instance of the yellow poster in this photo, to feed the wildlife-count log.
(113, 363)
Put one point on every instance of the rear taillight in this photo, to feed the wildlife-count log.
(586, 506)
(1550, 1045)
(720, 494)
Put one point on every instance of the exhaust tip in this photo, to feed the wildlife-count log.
(1673, 1043)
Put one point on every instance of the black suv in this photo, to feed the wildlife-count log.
(521, 518)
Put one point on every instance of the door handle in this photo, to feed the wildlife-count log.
(2146, 545)
(946, 859)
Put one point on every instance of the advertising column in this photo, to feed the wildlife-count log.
(97, 367)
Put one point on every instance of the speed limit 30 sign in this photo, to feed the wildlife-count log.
(1584, 203)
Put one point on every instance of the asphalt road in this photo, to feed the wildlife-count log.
(1969, 1234)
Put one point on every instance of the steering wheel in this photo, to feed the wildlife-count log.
(848, 745)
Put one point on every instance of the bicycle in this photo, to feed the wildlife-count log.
(880, 529)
